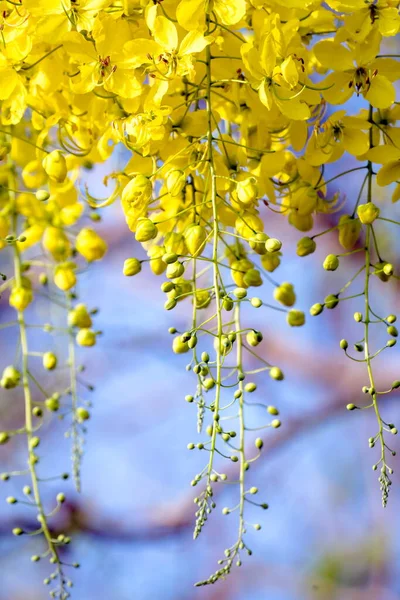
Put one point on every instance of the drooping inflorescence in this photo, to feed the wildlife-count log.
(225, 113)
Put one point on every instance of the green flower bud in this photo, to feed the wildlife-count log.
(257, 243)
(10, 378)
(4, 437)
(252, 278)
(253, 490)
(178, 346)
(169, 258)
(358, 317)
(395, 384)
(276, 373)
(86, 337)
(305, 246)
(250, 387)
(344, 344)
(349, 231)
(351, 407)
(60, 498)
(367, 213)
(276, 423)
(391, 319)
(17, 531)
(390, 343)
(256, 302)
(331, 262)
(316, 309)
(82, 414)
(331, 301)
(209, 383)
(175, 182)
(388, 269)
(175, 270)
(42, 195)
(52, 404)
(392, 330)
(272, 410)
(145, 230)
(132, 266)
(284, 294)
(49, 361)
(295, 318)
(273, 245)
(11, 500)
(254, 338)
(227, 303)
(170, 304)
(240, 293)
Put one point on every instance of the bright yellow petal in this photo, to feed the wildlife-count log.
(333, 56)
(356, 142)
(383, 154)
(194, 41)
(388, 174)
(165, 33)
(381, 93)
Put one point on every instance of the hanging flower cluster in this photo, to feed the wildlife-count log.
(226, 110)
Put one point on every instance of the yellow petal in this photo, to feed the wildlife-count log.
(194, 41)
(383, 154)
(355, 142)
(381, 93)
(388, 174)
(333, 56)
(165, 33)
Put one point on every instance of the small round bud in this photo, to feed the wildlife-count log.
(189, 398)
(392, 330)
(391, 343)
(190, 446)
(82, 414)
(272, 410)
(132, 266)
(331, 301)
(256, 302)
(35, 558)
(169, 258)
(227, 303)
(253, 490)
(259, 443)
(276, 373)
(17, 531)
(240, 293)
(393, 430)
(11, 500)
(276, 423)
(331, 262)
(358, 317)
(351, 406)
(4, 437)
(395, 384)
(250, 387)
(316, 309)
(344, 344)
(49, 361)
(391, 319)
(60, 498)
(42, 195)
(273, 245)
(388, 269)
(295, 318)
(205, 357)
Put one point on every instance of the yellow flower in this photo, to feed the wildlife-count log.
(357, 70)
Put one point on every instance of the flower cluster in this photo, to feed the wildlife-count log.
(226, 111)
